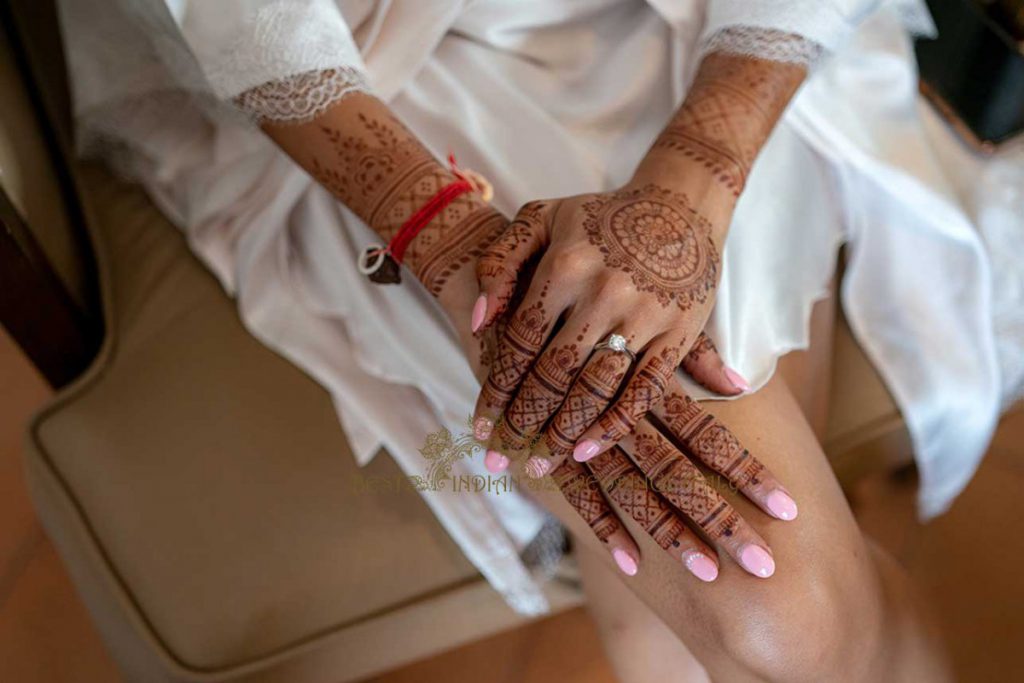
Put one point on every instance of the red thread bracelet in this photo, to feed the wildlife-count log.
(416, 222)
(381, 263)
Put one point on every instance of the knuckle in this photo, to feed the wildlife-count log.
(532, 211)
(569, 263)
(615, 288)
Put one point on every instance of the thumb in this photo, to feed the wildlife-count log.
(706, 367)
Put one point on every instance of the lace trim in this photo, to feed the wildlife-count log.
(764, 43)
(302, 97)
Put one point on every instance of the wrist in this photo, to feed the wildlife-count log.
(713, 200)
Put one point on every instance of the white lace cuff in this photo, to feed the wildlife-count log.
(763, 43)
(302, 97)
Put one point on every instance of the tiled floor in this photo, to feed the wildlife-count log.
(969, 563)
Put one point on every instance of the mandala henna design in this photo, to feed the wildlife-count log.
(580, 489)
(590, 395)
(643, 392)
(732, 106)
(679, 480)
(633, 492)
(709, 440)
(382, 172)
(654, 235)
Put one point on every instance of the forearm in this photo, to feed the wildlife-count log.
(372, 163)
(710, 144)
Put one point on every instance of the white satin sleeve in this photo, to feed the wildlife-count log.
(795, 31)
(278, 60)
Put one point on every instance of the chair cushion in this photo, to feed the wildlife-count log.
(214, 475)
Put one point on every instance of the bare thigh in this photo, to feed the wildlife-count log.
(640, 646)
(825, 604)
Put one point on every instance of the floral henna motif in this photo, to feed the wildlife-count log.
(634, 493)
(732, 106)
(708, 439)
(642, 393)
(654, 235)
(679, 480)
(590, 395)
(382, 172)
(582, 492)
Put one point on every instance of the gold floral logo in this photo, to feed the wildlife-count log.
(443, 449)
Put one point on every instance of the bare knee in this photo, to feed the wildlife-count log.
(811, 623)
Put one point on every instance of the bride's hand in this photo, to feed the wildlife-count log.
(650, 478)
(641, 263)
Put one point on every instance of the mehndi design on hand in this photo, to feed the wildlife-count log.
(655, 236)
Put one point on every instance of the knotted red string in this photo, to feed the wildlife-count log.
(426, 213)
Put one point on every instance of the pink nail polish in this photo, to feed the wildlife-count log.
(736, 379)
(495, 462)
(479, 312)
(482, 427)
(536, 467)
(626, 563)
(701, 566)
(781, 505)
(757, 561)
(585, 450)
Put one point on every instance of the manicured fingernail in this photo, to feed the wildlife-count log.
(736, 379)
(585, 450)
(479, 311)
(536, 467)
(701, 566)
(757, 561)
(626, 563)
(482, 427)
(495, 462)
(781, 505)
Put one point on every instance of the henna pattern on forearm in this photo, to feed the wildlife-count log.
(709, 440)
(679, 480)
(635, 494)
(658, 239)
(732, 106)
(383, 174)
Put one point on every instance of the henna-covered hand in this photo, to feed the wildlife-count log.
(369, 160)
(641, 262)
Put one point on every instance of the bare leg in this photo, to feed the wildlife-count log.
(640, 646)
(835, 609)
(638, 643)
(808, 374)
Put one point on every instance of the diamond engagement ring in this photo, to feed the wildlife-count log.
(616, 343)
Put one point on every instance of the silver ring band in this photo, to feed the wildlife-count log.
(616, 343)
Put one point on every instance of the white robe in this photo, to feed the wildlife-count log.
(550, 98)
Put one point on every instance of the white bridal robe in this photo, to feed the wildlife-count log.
(550, 98)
